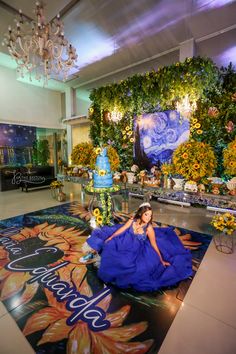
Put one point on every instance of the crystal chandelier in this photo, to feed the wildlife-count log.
(185, 108)
(115, 115)
(40, 48)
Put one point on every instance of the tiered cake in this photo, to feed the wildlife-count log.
(102, 176)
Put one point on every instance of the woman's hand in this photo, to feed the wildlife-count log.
(109, 239)
(165, 264)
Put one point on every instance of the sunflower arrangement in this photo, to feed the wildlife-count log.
(127, 134)
(224, 222)
(196, 127)
(81, 154)
(229, 157)
(194, 160)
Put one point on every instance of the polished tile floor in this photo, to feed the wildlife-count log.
(206, 322)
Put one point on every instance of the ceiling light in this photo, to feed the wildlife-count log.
(40, 48)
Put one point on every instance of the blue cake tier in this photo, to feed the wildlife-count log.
(103, 163)
(102, 181)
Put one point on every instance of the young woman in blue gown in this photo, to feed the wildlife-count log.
(136, 255)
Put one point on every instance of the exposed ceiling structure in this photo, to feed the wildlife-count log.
(115, 39)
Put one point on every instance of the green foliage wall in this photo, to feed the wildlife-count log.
(197, 77)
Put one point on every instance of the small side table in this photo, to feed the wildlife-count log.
(101, 198)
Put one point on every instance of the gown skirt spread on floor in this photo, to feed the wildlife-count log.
(129, 260)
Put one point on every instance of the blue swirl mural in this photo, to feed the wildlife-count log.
(157, 135)
(16, 142)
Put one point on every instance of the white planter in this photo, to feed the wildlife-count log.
(179, 184)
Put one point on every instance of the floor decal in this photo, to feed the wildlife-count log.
(61, 306)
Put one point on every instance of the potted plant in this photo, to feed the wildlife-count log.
(226, 224)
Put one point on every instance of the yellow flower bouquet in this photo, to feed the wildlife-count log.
(229, 156)
(194, 160)
(56, 184)
(224, 222)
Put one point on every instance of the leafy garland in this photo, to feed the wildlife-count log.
(154, 91)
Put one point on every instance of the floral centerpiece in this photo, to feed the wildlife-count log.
(194, 160)
(226, 223)
(56, 191)
(56, 184)
(167, 169)
(229, 156)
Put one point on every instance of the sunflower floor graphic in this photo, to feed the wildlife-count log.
(61, 306)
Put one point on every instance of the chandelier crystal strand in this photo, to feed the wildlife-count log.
(185, 107)
(115, 115)
(40, 48)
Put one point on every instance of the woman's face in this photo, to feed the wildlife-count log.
(146, 217)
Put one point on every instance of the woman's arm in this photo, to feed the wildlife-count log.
(121, 229)
(152, 238)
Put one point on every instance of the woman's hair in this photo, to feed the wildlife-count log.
(141, 210)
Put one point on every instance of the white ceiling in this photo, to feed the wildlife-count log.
(115, 39)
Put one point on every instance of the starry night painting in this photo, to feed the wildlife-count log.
(17, 135)
(157, 135)
(16, 142)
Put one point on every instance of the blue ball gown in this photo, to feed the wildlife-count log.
(129, 260)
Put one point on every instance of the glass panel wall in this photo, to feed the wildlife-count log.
(23, 145)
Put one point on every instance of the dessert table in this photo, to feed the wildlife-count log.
(182, 198)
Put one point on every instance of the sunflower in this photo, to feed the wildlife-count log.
(197, 126)
(185, 155)
(80, 339)
(96, 212)
(78, 210)
(99, 220)
(101, 172)
(196, 166)
(127, 128)
(98, 150)
(131, 140)
(199, 131)
(67, 240)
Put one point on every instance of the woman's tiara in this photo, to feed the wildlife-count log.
(145, 204)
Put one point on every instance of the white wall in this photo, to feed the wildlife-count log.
(22, 103)
(80, 134)
(82, 102)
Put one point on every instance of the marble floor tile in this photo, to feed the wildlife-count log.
(205, 324)
(214, 286)
(12, 341)
(194, 332)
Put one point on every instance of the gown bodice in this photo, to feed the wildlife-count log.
(141, 236)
